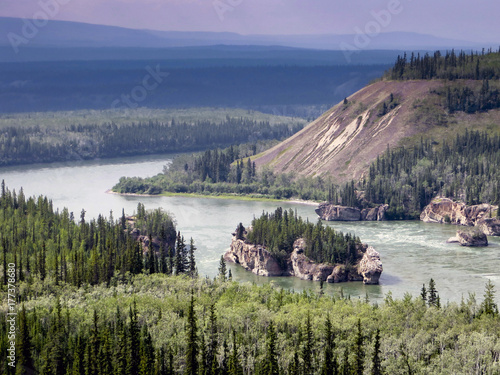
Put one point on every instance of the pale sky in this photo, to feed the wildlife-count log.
(473, 20)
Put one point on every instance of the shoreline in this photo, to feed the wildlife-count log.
(222, 196)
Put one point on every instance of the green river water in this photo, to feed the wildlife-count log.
(412, 252)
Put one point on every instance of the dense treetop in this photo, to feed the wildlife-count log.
(279, 230)
(451, 65)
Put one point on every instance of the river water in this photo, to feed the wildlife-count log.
(412, 252)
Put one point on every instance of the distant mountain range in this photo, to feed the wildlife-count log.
(64, 34)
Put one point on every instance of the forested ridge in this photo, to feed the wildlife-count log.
(279, 230)
(460, 70)
(34, 144)
(451, 65)
(407, 179)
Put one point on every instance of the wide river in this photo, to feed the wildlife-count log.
(412, 252)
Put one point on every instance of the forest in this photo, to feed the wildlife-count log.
(57, 246)
(35, 144)
(279, 230)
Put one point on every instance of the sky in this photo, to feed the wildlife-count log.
(471, 20)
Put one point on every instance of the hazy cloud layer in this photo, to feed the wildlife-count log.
(457, 19)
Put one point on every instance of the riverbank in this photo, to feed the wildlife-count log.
(221, 196)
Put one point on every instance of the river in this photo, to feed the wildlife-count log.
(412, 252)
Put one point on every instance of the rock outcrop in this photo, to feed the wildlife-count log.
(444, 210)
(331, 212)
(490, 227)
(472, 238)
(370, 266)
(374, 214)
(254, 258)
(257, 259)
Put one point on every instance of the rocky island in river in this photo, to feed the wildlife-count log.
(318, 253)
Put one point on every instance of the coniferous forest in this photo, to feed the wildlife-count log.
(33, 144)
(408, 178)
(88, 301)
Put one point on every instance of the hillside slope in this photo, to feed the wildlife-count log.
(347, 138)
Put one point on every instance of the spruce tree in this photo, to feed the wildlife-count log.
(488, 306)
(133, 342)
(423, 294)
(376, 360)
(193, 272)
(432, 299)
(222, 268)
(24, 358)
(234, 362)
(181, 261)
(329, 363)
(192, 341)
(270, 364)
(307, 360)
(359, 353)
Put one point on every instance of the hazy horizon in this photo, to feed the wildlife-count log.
(460, 19)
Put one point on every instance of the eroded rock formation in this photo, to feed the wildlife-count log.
(370, 266)
(444, 210)
(254, 258)
(257, 259)
(331, 212)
